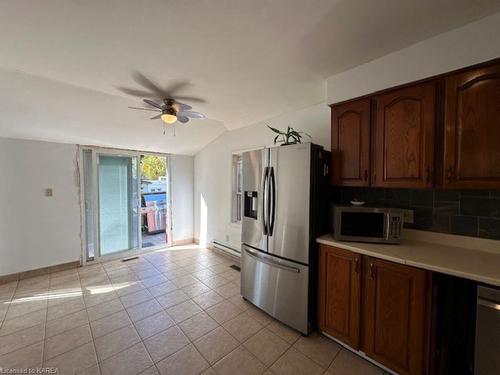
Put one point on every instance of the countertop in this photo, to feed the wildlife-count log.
(471, 258)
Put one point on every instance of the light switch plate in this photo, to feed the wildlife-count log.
(408, 216)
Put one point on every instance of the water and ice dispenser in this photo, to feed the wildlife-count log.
(250, 204)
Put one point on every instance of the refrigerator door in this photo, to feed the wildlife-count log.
(277, 286)
(290, 177)
(254, 230)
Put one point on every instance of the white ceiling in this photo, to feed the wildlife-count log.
(62, 61)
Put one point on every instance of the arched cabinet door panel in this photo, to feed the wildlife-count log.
(472, 129)
(351, 143)
(404, 137)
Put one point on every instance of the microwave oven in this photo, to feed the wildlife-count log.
(368, 224)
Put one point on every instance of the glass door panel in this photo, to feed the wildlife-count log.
(118, 203)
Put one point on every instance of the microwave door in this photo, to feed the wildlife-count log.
(289, 202)
(255, 178)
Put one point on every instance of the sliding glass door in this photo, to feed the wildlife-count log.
(125, 202)
(118, 203)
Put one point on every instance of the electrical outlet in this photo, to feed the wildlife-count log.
(49, 192)
(408, 216)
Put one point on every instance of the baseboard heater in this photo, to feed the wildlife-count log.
(228, 248)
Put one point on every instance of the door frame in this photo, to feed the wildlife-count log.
(96, 150)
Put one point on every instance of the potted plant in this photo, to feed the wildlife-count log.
(290, 137)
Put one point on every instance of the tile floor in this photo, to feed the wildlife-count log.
(168, 312)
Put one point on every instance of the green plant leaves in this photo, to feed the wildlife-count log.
(291, 136)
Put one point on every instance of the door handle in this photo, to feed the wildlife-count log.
(269, 262)
(272, 201)
(264, 200)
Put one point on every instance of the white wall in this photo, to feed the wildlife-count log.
(213, 167)
(182, 177)
(474, 43)
(35, 230)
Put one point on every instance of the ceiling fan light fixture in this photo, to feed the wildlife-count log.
(168, 118)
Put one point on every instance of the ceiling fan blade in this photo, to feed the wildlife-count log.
(150, 85)
(150, 102)
(191, 99)
(180, 107)
(156, 117)
(182, 119)
(176, 86)
(139, 93)
(192, 114)
(146, 109)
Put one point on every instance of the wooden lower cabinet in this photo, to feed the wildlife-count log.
(393, 325)
(340, 294)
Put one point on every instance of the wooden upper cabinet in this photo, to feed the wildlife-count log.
(396, 315)
(351, 143)
(472, 129)
(339, 294)
(404, 137)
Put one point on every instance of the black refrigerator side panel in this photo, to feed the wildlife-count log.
(318, 219)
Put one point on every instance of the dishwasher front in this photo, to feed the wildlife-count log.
(487, 357)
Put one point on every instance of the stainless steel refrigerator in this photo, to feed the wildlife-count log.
(284, 210)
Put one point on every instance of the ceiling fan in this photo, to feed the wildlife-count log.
(170, 108)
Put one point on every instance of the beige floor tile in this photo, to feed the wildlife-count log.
(215, 281)
(223, 311)
(347, 363)
(242, 327)
(183, 311)
(104, 309)
(98, 298)
(66, 308)
(209, 371)
(228, 290)
(166, 343)
(208, 299)
(131, 361)
(319, 348)
(266, 346)
(25, 305)
(122, 289)
(204, 274)
(198, 325)
(136, 298)
(216, 344)
(154, 280)
(240, 361)
(294, 362)
(29, 356)
(153, 324)
(269, 372)
(184, 281)
(163, 288)
(240, 302)
(259, 315)
(172, 298)
(75, 360)
(20, 339)
(196, 289)
(144, 309)
(110, 323)
(286, 333)
(93, 370)
(186, 361)
(116, 341)
(25, 321)
(67, 341)
(66, 323)
(150, 371)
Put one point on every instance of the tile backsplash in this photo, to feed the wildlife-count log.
(466, 212)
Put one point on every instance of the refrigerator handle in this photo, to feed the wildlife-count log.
(265, 200)
(273, 202)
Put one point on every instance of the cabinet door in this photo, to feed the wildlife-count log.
(404, 137)
(339, 294)
(351, 143)
(472, 129)
(396, 315)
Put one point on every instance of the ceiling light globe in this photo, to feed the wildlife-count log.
(168, 118)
